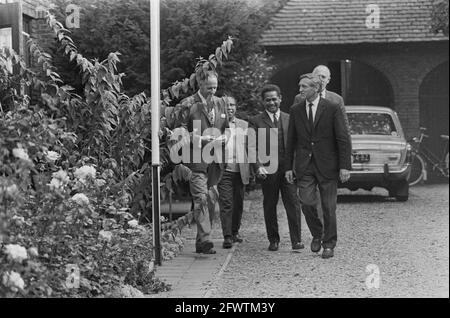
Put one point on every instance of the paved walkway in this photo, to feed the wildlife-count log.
(193, 275)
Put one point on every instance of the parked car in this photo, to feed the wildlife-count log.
(381, 154)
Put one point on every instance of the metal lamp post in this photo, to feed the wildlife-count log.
(155, 113)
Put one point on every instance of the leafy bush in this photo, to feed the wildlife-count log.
(71, 167)
(189, 29)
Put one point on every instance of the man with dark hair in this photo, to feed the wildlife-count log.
(206, 111)
(318, 139)
(274, 123)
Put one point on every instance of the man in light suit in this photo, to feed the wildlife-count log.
(206, 111)
(272, 119)
(235, 176)
(324, 75)
(318, 139)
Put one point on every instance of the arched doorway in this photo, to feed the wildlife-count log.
(357, 82)
(434, 104)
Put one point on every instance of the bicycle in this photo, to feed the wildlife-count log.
(423, 158)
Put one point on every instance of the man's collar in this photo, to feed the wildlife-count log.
(271, 114)
(201, 97)
(314, 102)
(323, 93)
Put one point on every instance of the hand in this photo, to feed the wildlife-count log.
(222, 139)
(262, 173)
(344, 175)
(290, 176)
(207, 138)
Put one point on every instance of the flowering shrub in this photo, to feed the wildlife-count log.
(71, 168)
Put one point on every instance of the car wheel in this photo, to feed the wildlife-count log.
(402, 191)
(402, 198)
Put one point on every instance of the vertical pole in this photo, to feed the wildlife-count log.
(155, 91)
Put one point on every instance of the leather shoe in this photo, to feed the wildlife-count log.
(316, 245)
(210, 251)
(273, 246)
(205, 247)
(237, 238)
(227, 243)
(298, 246)
(327, 253)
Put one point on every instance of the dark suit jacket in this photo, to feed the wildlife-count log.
(332, 97)
(198, 112)
(328, 143)
(263, 121)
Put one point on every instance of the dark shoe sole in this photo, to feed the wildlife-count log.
(205, 248)
(211, 251)
(326, 255)
(227, 245)
(317, 248)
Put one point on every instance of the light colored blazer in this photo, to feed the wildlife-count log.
(244, 168)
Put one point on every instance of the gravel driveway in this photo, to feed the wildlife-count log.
(407, 242)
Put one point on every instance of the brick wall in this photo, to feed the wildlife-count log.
(403, 65)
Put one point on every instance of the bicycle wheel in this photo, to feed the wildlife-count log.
(417, 170)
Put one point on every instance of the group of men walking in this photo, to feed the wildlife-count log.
(311, 150)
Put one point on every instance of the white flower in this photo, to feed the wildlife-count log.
(62, 176)
(100, 182)
(105, 235)
(52, 156)
(12, 191)
(21, 154)
(85, 171)
(60, 179)
(19, 220)
(80, 199)
(16, 252)
(133, 223)
(55, 184)
(33, 252)
(13, 281)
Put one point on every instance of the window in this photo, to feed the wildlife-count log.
(6, 41)
(371, 124)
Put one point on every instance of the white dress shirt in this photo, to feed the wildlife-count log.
(272, 114)
(314, 107)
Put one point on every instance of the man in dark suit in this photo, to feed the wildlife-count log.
(324, 75)
(318, 140)
(206, 112)
(275, 123)
(235, 176)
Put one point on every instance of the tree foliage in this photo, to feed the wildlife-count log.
(440, 16)
(189, 30)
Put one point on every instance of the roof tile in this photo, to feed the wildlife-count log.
(302, 22)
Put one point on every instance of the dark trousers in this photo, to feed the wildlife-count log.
(308, 184)
(271, 187)
(231, 202)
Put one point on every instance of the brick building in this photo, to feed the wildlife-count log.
(21, 19)
(380, 52)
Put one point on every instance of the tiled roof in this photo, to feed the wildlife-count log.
(309, 22)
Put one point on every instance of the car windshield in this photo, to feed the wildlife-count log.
(371, 124)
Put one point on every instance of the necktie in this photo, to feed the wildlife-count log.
(310, 115)
(211, 116)
(275, 120)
